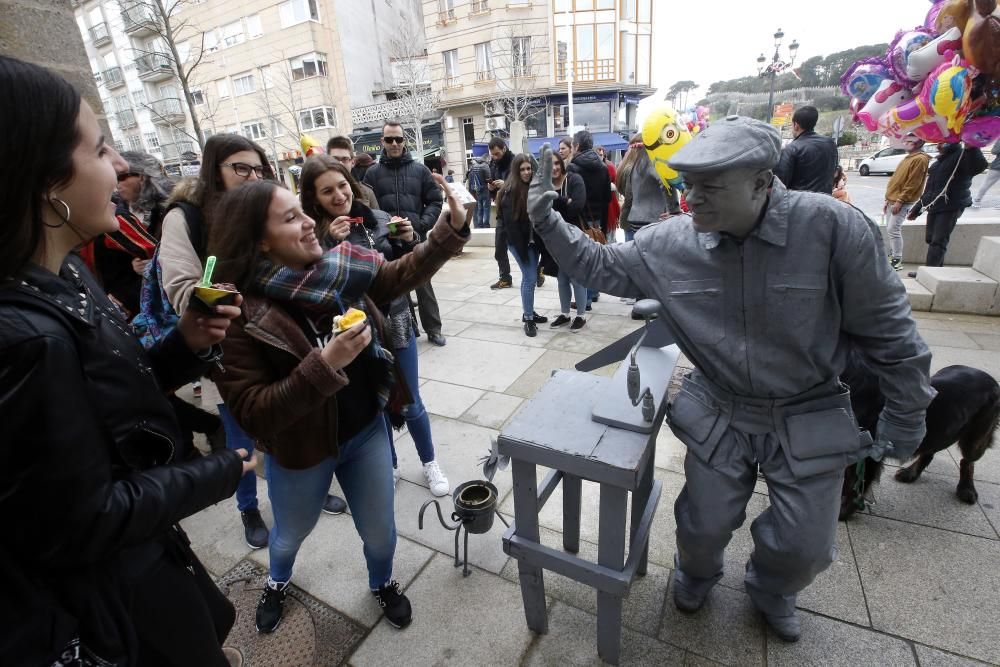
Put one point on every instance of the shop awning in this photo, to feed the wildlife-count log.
(612, 141)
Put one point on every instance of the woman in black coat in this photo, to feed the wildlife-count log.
(569, 204)
(512, 213)
(96, 570)
(947, 194)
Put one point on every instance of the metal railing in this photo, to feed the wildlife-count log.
(168, 107)
(99, 34)
(126, 119)
(485, 75)
(446, 15)
(113, 77)
(372, 113)
(587, 70)
(137, 18)
(175, 150)
(479, 7)
(153, 64)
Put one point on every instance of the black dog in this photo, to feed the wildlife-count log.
(966, 409)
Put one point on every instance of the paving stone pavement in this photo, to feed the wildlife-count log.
(916, 580)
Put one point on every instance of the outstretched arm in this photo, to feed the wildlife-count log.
(611, 268)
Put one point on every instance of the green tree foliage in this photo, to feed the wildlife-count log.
(814, 72)
(847, 138)
(678, 93)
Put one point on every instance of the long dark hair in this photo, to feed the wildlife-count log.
(632, 155)
(240, 223)
(315, 167)
(218, 149)
(516, 188)
(38, 111)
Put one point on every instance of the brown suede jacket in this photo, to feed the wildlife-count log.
(276, 384)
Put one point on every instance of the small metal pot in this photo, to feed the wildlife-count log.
(475, 505)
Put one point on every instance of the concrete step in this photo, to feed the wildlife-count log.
(962, 246)
(960, 289)
(987, 259)
(921, 298)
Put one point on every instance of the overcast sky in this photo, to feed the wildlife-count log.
(708, 42)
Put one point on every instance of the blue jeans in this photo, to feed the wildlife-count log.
(417, 421)
(236, 438)
(579, 292)
(481, 216)
(529, 276)
(364, 471)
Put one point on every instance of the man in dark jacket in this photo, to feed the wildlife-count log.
(946, 196)
(500, 159)
(479, 179)
(591, 168)
(809, 161)
(406, 189)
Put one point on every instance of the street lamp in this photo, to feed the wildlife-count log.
(776, 66)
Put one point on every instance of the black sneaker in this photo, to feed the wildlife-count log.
(538, 319)
(271, 606)
(530, 328)
(578, 323)
(395, 605)
(560, 321)
(334, 504)
(896, 263)
(502, 283)
(254, 529)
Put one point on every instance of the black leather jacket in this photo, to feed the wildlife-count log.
(965, 165)
(90, 490)
(808, 163)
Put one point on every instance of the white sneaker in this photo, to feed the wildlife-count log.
(395, 476)
(436, 479)
(976, 204)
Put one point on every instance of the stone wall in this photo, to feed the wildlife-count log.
(45, 32)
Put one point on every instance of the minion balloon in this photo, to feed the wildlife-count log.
(663, 134)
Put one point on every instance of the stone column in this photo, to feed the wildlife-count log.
(45, 32)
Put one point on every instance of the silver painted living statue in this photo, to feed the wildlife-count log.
(765, 290)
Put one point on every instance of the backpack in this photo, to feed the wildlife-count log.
(475, 181)
(157, 317)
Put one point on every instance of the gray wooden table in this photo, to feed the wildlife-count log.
(555, 430)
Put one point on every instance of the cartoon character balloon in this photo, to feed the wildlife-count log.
(948, 91)
(981, 38)
(902, 47)
(915, 116)
(981, 131)
(890, 94)
(663, 134)
(924, 60)
(863, 78)
(310, 146)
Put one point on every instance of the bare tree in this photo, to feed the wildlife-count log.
(280, 103)
(161, 18)
(518, 59)
(412, 84)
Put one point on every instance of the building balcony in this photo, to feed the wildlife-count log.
(126, 119)
(113, 78)
(154, 67)
(99, 34)
(138, 20)
(373, 114)
(167, 111)
(587, 70)
(174, 152)
(479, 7)
(446, 16)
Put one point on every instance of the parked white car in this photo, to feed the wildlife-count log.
(887, 159)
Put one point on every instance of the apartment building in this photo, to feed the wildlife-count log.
(264, 69)
(494, 61)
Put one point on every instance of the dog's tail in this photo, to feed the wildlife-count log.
(978, 435)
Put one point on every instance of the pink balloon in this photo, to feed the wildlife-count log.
(890, 94)
(981, 131)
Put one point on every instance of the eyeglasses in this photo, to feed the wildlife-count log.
(394, 140)
(126, 175)
(343, 159)
(243, 169)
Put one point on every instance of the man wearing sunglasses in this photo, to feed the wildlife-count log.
(404, 187)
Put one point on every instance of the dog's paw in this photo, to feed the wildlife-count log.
(967, 494)
(906, 475)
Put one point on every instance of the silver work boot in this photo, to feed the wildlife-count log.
(788, 628)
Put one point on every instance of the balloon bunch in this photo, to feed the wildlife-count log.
(665, 132)
(937, 81)
(696, 119)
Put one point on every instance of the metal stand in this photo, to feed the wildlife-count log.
(460, 522)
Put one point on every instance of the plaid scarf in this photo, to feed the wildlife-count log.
(336, 282)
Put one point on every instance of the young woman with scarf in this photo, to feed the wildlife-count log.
(311, 399)
(332, 196)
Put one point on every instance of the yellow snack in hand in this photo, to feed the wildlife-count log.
(352, 317)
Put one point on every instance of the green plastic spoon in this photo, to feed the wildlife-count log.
(206, 278)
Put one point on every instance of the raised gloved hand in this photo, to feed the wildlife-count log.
(541, 193)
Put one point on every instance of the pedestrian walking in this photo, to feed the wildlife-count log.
(902, 192)
(807, 162)
(500, 169)
(992, 176)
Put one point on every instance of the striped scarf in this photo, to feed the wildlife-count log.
(336, 282)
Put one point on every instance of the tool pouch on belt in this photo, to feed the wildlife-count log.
(697, 420)
(821, 435)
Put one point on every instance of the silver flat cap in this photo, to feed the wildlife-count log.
(734, 143)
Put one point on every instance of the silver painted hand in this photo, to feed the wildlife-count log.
(541, 193)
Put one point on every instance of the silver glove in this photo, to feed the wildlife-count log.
(541, 193)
